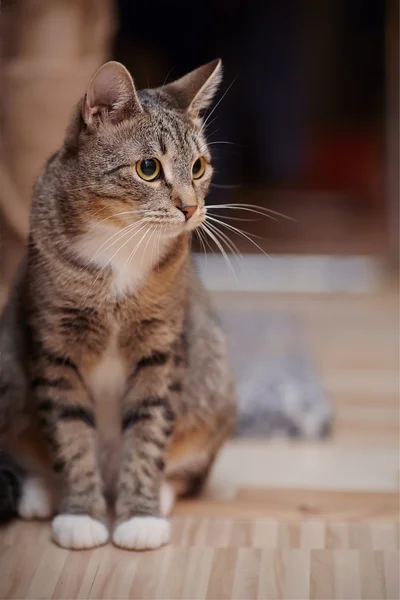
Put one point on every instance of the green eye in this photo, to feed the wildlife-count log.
(199, 166)
(148, 169)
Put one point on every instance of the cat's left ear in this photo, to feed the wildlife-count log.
(195, 91)
(111, 94)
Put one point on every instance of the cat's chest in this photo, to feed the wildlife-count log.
(106, 381)
(130, 254)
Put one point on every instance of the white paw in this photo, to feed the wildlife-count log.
(77, 532)
(142, 533)
(167, 499)
(36, 501)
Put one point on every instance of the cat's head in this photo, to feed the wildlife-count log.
(142, 155)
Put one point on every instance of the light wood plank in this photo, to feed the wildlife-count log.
(198, 573)
(247, 572)
(372, 575)
(322, 584)
(347, 574)
(297, 505)
(279, 520)
(222, 574)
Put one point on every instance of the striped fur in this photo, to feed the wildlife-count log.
(112, 352)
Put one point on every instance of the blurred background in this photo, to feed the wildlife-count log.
(306, 122)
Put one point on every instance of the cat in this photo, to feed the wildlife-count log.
(114, 381)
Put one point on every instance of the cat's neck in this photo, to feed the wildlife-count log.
(130, 259)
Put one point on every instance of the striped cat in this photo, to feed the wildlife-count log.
(114, 384)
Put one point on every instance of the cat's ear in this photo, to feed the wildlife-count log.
(195, 91)
(111, 94)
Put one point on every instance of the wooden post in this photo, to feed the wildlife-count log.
(49, 50)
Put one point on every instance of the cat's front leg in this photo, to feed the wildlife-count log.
(147, 425)
(67, 416)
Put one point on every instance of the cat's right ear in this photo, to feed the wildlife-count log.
(111, 95)
(195, 91)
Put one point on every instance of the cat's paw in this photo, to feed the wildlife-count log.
(167, 499)
(142, 533)
(77, 532)
(36, 501)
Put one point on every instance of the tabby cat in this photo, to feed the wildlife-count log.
(114, 384)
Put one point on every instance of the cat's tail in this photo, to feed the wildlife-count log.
(11, 480)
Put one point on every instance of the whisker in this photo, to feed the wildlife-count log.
(224, 187)
(251, 208)
(163, 84)
(125, 212)
(158, 246)
(135, 249)
(236, 229)
(215, 130)
(152, 213)
(203, 248)
(242, 233)
(231, 245)
(206, 240)
(119, 234)
(147, 243)
(97, 211)
(132, 252)
(253, 211)
(218, 244)
(210, 123)
(102, 270)
(218, 103)
(143, 226)
(124, 244)
(243, 220)
(222, 142)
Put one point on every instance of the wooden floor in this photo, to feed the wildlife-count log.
(279, 520)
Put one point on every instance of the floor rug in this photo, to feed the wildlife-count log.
(279, 390)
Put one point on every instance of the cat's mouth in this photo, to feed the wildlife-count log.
(176, 226)
(196, 219)
(171, 230)
(195, 222)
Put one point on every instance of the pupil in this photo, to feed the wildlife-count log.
(196, 166)
(148, 167)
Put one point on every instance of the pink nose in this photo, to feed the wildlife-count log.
(188, 211)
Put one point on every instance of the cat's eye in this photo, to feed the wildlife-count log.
(148, 169)
(199, 166)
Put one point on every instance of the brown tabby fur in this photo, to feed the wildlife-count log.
(68, 325)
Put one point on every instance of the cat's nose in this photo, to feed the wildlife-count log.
(188, 210)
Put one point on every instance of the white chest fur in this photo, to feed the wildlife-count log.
(130, 253)
(106, 382)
